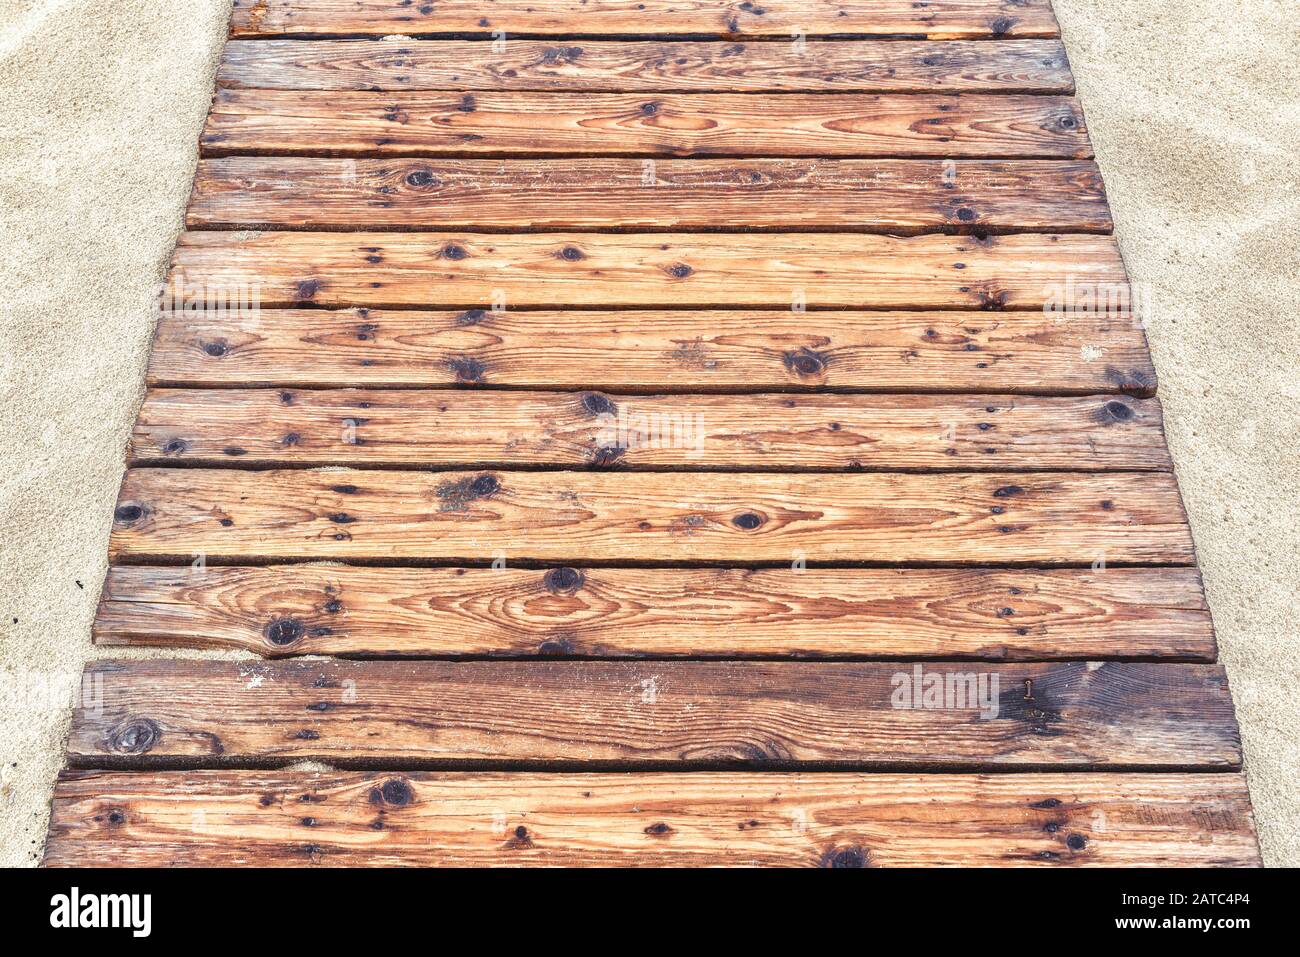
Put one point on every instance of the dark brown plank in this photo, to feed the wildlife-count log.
(863, 66)
(937, 19)
(1040, 518)
(502, 123)
(242, 818)
(894, 196)
(621, 713)
(553, 270)
(629, 612)
(638, 351)
(503, 429)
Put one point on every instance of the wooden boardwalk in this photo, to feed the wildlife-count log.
(682, 432)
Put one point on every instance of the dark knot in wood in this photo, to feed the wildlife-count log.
(135, 736)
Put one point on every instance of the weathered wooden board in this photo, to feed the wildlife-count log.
(602, 66)
(627, 612)
(653, 269)
(936, 19)
(501, 123)
(286, 818)
(1039, 517)
(894, 196)
(629, 713)
(729, 432)
(995, 352)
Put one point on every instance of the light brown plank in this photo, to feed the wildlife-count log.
(622, 612)
(997, 352)
(652, 269)
(863, 66)
(285, 818)
(1041, 517)
(627, 714)
(503, 429)
(501, 123)
(894, 196)
(937, 19)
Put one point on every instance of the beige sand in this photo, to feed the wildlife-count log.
(100, 111)
(1197, 127)
(1194, 109)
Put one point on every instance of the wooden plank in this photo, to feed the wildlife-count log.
(1041, 517)
(628, 612)
(287, 818)
(861, 66)
(628, 714)
(997, 352)
(895, 196)
(368, 427)
(503, 123)
(937, 19)
(652, 269)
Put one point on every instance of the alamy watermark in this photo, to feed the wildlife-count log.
(180, 295)
(133, 912)
(1074, 297)
(45, 692)
(946, 691)
(631, 430)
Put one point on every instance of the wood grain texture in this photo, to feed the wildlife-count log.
(862, 66)
(369, 427)
(285, 818)
(1041, 517)
(653, 269)
(631, 351)
(606, 714)
(894, 196)
(629, 612)
(936, 19)
(503, 123)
